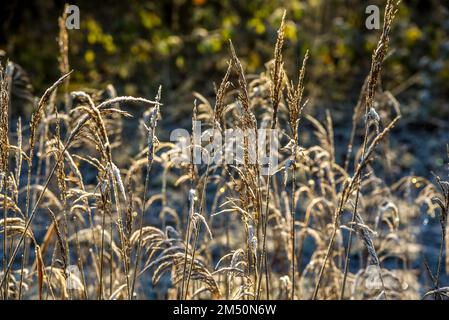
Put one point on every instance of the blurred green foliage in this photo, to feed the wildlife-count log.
(183, 44)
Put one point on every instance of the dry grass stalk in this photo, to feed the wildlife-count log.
(277, 73)
(63, 43)
(376, 67)
(152, 139)
(4, 170)
(276, 86)
(295, 108)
